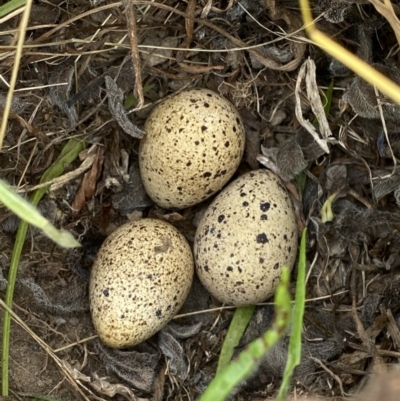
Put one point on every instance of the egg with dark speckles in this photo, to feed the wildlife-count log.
(193, 145)
(246, 236)
(140, 279)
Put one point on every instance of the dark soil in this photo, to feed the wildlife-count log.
(352, 320)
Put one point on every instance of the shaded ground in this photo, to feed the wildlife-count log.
(352, 319)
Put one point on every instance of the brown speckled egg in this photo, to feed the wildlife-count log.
(247, 234)
(139, 280)
(193, 144)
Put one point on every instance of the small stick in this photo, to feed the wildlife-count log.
(132, 32)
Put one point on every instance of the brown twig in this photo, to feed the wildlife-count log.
(132, 32)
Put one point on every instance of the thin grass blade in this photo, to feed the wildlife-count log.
(69, 153)
(238, 370)
(294, 354)
(240, 321)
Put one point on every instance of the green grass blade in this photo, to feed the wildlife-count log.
(294, 354)
(238, 325)
(11, 6)
(26, 211)
(238, 370)
(68, 154)
(328, 96)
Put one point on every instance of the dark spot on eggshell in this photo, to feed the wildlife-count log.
(265, 206)
(262, 238)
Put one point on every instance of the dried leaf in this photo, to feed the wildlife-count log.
(183, 331)
(102, 385)
(290, 160)
(199, 69)
(361, 96)
(88, 185)
(287, 161)
(70, 300)
(157, 48)
(386, 9)
(335, 178)
(159, 386)
(387, 184)
(173, 352)
(116, 106)
(333, 10)
(364, 225)
(62, 80)
(308, 73)
(138, 369)
(133, 196)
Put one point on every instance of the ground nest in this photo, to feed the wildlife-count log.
(94, 70)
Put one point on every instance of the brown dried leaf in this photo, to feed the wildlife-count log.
(386, 9)
(199, 69)
(88, 185)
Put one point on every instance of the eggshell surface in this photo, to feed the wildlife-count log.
(245, 237)
(140, 278)
(193, 144)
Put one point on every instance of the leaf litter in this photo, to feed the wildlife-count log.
(80, 67)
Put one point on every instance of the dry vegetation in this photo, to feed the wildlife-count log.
(84, 63)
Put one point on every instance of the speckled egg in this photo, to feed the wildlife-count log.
(139, 280)
(193, 144)
(247, 234)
